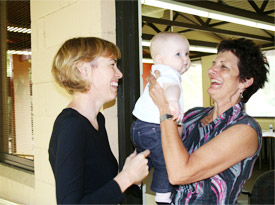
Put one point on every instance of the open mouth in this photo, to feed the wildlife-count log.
(114, 84)
(215, 82)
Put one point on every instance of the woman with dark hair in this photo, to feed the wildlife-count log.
(216, 153)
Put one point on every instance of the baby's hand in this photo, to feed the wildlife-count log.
(175, 110)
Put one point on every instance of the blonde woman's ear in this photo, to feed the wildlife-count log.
(83, 68)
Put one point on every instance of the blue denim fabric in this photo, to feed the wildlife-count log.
(147, 136)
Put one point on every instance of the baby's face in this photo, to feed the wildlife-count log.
(176, 54)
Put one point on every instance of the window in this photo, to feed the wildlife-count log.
(16, 127)
(262, 103)
(192, 86)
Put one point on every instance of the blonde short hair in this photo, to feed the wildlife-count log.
(75, 51)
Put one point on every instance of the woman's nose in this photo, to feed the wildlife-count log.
(212, 69)
(119, 73)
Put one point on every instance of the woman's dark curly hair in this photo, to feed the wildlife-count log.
(252, 63)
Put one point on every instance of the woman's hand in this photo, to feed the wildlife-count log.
(134, 170)
(157, 94)
(137, 166)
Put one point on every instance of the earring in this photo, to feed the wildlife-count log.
(241, 94)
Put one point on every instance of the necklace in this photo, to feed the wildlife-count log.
(206, 121)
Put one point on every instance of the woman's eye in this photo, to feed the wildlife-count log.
(187, 54)
(223, 66)
(178, 54)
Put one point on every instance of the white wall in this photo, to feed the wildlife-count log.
(16, 185)
(53, 22)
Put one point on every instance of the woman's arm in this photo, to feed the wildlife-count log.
(226, 149)
(69, 161)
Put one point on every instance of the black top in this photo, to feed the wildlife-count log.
(82, 161)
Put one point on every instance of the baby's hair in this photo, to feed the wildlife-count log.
(159, 39)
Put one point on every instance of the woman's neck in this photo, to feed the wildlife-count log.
(220, 108)
(87, 106)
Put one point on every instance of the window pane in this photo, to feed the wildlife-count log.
(16, 102)
(192, 86)
(20, 108)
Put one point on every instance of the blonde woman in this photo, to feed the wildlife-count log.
(85, 169)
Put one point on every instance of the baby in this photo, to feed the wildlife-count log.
(170, 53)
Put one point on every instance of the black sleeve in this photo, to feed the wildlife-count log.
(70, 169)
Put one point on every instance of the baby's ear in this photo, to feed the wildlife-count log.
(158, 59)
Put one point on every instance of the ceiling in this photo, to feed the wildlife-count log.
(199, 31)
(208, 32)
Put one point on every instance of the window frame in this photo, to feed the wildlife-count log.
(6, 158)
(127, 39)
(16, 161)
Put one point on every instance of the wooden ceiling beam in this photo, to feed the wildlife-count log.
(205, 28)
(229, 10)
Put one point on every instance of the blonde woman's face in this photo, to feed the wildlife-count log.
(105, 77)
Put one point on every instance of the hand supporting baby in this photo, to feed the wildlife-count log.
(176, 110)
